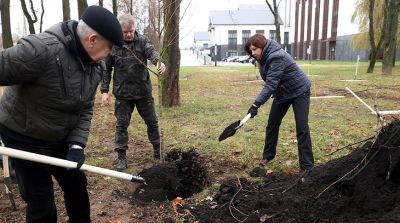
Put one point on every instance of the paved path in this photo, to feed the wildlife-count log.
(189, 59)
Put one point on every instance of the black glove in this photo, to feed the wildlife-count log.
(253, 109)
(76, 154)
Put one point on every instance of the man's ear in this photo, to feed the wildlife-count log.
(92, 39)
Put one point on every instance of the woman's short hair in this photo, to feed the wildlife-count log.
(257, 40)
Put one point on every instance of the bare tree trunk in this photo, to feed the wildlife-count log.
(275, 12)
(101, 3)
(41, 16)
(82, 5)
(394, 56)
(171, 54)
(393, 7)
(159, 22)
(374, 48)
(66, 10)
(139, 11)
(31, 21)
(371, 33)
(115, 7)
(5, 24)
(372, 61)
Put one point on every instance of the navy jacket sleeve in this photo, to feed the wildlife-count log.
(274, 70)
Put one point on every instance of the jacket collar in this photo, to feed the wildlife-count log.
(271, 47)
(66, 33)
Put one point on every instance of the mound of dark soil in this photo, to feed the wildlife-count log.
(182, 175)
(363, 186)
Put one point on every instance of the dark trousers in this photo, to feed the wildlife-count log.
(123, 113)
(300, 106)
(36, 186)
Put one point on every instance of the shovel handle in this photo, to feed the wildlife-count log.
(244, 120)
(19, 154)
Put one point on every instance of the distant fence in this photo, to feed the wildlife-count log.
(343, 51)
(201, 56)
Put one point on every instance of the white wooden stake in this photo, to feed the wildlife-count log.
(358, 59)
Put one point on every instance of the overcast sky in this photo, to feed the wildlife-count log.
(194, 14)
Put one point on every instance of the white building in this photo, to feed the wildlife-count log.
(229, 30)
(201, 40)
(316, 29)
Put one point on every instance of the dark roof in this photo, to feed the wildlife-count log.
(201, 36)
(245, 15)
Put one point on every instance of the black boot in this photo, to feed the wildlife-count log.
(156, 150)
(121, 161)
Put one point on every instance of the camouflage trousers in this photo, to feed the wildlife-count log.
(123, 113)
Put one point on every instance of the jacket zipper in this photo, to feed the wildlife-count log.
(83, 84)
(62, 79)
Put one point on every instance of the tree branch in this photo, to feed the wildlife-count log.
(41, 16)
(270, 7)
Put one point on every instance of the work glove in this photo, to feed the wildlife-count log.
(253, 109)
(76, 154)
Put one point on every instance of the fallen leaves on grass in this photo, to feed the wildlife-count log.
(238, 151)
(335, 133)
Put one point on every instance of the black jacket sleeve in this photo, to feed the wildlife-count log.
(106, 75)
(22, 63)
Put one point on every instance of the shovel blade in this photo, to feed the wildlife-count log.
(229, 131)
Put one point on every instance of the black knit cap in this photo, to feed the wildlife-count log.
(105, 23)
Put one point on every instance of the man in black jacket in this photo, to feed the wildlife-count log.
(132, 87)
(47, 107)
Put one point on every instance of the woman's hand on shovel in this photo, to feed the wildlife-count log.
(253, 109)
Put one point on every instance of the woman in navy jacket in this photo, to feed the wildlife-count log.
(289, 87)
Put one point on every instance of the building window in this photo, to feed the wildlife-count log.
(232, 37)
(260, 32)
(232, 53)
(286, 40)
(272, 34)
(245, 36)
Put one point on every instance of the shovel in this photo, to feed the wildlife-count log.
(19, 154)
(231, 129)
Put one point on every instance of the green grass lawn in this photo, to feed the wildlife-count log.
(214, 97)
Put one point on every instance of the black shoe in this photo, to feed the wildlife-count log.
(121, 161)
(157, 155)
(156, 152)
(121, 165)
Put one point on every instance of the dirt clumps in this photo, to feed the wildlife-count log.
(363, 186)
(181, 175)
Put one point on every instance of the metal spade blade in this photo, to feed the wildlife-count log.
(231, 129)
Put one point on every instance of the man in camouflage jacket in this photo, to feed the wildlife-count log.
(132, 87)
